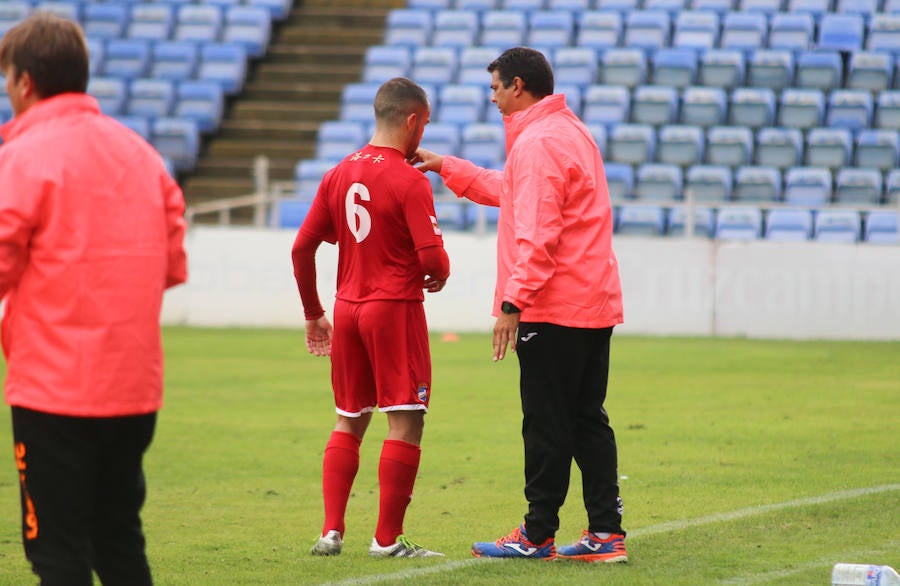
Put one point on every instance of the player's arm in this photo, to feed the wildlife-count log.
(318, 328)
(18, 218)
(435, 266)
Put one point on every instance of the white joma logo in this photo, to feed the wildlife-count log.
(529, 336)
(591, 546)
(520, 549)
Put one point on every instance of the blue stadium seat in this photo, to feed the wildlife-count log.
(525, 6)
(279, 9)
(770, 68)
(291, 213)
(744, 31)
(881, 227)
(151, 21)
(96, 54)
(473, 62)
(198, 22)
(176, 60)
(12, 13)
(870, 71)
(202, 102)
(599, 30)
(178, 139)
(721, 68)
(338, 138)
(432, 5)
(816, 8)
(308, 175)
(503, 28)
(550, 28)
(655, 105)
(606, 104)
(659, 182)
(829, 147)
(801, 108)
(791, 31)
(126, 58)
(357, 100)
(619, 179)
(739, 223)
(757, 184)
(111, 93)
(703, 106)
(884, 33)
(599, 134)
(648, 30)
(672, 7)
(483, 143)
(866, 8)
(249, 25)
(623, 6)
(434, 65)
(441, 138)
(459, 104)
(753, 107)
(696, 29)
(384, 62)
(575, 65)
(68, 10)
(708, 183)
(574, 97)
(225, 63)
(576, 7)
(139, 124)
(841, 32)
(887, 113)
(151, 98)
(455, 28)
(785, 225)
(410, 28)
(819, 70)
(631, 143)
(729, 145)
(478, 6)
(704, 222)
(858, 186)
(767, 7)
(674, 67)
(623, 66)
(680, 145)
(808, 186)
(892, 187)
(849, 109)
(720, 7)
(877, 149)
(779, 147)
(640, 220)
(105, 20)
(452, 214)
(837, 226)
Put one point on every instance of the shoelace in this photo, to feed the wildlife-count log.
(516, 535)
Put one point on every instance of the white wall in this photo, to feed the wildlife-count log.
(696, 287)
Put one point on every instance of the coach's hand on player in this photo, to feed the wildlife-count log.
(318, 336)
(505, 334)
(426, 160)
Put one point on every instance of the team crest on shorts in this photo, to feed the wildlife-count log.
(423, 393)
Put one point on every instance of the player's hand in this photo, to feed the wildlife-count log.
(433, 285)
(318, 336)
(426, 160)
(505, 334)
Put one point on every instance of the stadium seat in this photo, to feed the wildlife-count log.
(866, 8)
(96, 53)
(105, 20)
(858, 186)
(525, 6)
(779, 147)
(659, 182)
(819, 70)
(473, 62)
(291, 213)
(599, 30)
(68, 10)
(357, 100)
(720, 7)
(841, 32)
(178, 139)
(849, 109)
(619, 179)
(455, 28)
(646, 29)
(550, 28)
(753, 107)
(815, 8)
(708, 183)
(575, 65)
(870, 71)
(829, 147)
(202, 102)
(674, 67)
(887, 113)
(729, 145)
(384, 62)
(766, 7)
(432, 5)
(703, 106)
(574, 98)
(459, 104)
(441, 138)
(308, 175)
(250, 26)
(770, 68)
(599, 134)
(672, 7)
(680, 145)
(704, 222)
(721, 68)
(576, 7)
(655, 105)
(739, 223)
(881, 227)
(625, 67)
(837, 226)
(503, 28)
(12, 13)
(225, 63)
(696, 30)
(606, 104)
(151, 21)
(877, 149)
(126, 58)
(757, 184)
(884, 33)
(801, 108)
(338, 138)
(111, 93)
(808, 186)
(483, 143)
(410, 28)
(139, 124)
(791, 31)
(640, 220)
(279, 9)
(785, 225)
(631, 143)
(201, 23)
(452, 214)
(175, 60)
(744, 31)
(623, 6)
(477, 6)
(434, 65)
(151, 98)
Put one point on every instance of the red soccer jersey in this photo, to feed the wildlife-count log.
(379, 210)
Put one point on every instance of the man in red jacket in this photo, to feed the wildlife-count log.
(557, 300)
(91, 234)
(379, 210)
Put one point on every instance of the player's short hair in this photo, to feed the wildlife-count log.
(51, 49)
(528, 65)
(397, 98)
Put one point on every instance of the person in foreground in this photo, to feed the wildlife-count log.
(91, 235)
(379, 210)
(557, 300)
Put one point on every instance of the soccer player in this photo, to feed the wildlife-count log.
(557, 300)
(379, 210)
(91, 234)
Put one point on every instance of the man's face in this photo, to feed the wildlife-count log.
(503, 97)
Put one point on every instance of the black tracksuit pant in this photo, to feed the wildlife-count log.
(563, 382)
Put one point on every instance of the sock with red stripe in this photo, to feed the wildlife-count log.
(397, 471)
(339, 467)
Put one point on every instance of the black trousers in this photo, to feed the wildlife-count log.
(82, 486)
(564, 373)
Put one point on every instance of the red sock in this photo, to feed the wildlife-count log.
(339, 468)
(397, 471)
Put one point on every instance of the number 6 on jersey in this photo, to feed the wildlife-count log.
(358, 219)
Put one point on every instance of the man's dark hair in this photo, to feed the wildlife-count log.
(528, 65)
(397, 98)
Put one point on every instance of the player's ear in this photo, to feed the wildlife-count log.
(411, 121)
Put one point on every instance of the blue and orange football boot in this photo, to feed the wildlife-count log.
(515, 545)
(591, 548)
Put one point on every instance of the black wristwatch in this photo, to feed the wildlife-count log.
(508, 308)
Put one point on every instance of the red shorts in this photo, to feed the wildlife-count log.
(380, 357)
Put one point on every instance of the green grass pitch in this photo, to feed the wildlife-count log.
(742, 462)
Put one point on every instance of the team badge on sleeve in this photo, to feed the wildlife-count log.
(434, 224)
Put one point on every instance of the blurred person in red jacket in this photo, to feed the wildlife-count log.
(91, 235)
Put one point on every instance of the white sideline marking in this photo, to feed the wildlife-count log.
(648, 531)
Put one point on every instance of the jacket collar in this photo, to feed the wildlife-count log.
(516, 122)
(48, 109)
